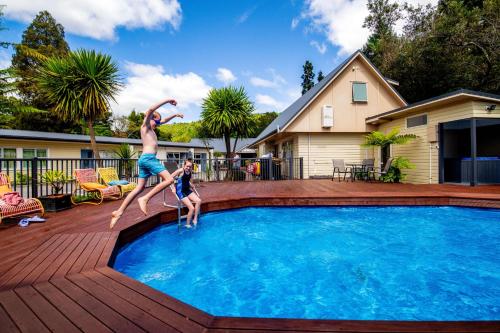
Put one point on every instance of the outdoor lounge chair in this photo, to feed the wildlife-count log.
(380, 172)
(109, 176)
(88, 183)
(340, 168)
(171, 167)
(28, 206)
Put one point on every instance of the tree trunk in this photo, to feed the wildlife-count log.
(93, 143)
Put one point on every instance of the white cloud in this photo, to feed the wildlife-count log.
(275, 82)
(246, 15)
(99, 18)
(225, 75)
(295, 23)
(321, 47)
(341, 21)
(267, 100)
(148, 84)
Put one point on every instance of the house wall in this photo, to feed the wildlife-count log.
(422, 153)
(347, 115)
(319, 149)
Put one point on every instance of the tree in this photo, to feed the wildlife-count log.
(379, 139)
(45, 36)
(307, 77)
(81, 87)
(262, 120)
(227, 112)
(320, 76)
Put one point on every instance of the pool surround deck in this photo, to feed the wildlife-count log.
(55, 276)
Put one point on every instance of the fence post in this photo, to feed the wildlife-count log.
(301, 167)
(34, 177)
(270, 168)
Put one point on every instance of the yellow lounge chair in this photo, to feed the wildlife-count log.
(87, 182)
(109, 175)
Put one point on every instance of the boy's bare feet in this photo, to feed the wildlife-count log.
(143, 205)
(115, 216)
(195, 223)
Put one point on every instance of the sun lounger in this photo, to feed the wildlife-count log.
(87, 183)
(110, 177)
(24, 206)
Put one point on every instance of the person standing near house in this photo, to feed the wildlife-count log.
(149, 165)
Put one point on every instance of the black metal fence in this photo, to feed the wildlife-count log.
(25, 174)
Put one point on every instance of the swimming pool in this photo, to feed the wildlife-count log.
(380, 263)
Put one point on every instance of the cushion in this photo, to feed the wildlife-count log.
(93, 186)
(118, 182)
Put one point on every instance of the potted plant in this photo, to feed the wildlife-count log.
(55, 201)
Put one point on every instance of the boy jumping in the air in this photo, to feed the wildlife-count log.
(149, 165)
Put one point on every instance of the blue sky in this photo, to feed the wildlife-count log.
(181, 49)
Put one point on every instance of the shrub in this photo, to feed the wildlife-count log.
(395, 174)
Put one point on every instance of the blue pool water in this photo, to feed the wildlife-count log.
(380, 263)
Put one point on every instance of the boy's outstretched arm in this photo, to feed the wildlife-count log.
(153, 108)
(166, 120)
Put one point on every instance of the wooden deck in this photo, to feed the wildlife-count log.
(54, 276)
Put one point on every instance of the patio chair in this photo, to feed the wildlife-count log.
(367, 166)
(28, 206)
(109, 176)
(87, 182)
(380, 172)
(171, 167)
(340, 168)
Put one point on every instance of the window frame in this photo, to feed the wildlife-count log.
(353, 83)
(426, 115)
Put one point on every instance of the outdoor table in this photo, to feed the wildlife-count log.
(356, 169)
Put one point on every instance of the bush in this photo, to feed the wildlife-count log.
(22, 179)
(395, 174)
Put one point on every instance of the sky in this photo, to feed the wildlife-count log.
(183, 48)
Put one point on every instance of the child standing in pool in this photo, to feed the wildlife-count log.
(184, 190)
(149, 165)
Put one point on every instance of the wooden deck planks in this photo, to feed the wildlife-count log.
(157, 310)
(74, 312)
(21, 315)
(45, 311)
(130, 311)
(6, 323)
(112, 319)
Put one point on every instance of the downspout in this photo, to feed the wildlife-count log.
(430, 163)
(308, 155)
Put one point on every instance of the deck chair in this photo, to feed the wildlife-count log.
(87, 182)
(109, 175)
(340, 168)
(380, 172)
(28, 206)
(171, 167)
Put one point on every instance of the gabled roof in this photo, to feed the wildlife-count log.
(219, 145)
(50, 136)
(290, 113)
(453, 96)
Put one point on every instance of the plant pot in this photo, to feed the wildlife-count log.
(56, 202)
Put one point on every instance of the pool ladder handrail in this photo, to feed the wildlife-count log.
(179, 205)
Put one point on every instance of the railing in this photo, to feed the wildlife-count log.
(25, 174)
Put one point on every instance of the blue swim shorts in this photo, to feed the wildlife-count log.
(149, 165)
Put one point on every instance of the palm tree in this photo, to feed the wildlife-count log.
(81, 87)
(379, 139)
(227, 112)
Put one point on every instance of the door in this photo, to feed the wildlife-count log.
(86, 154)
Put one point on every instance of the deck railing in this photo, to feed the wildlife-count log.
(26, 174)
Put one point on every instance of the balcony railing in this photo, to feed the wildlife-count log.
(25, 174)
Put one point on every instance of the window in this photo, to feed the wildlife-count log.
(416, 121)
(359, 92)
(8, 153)
(29, 153)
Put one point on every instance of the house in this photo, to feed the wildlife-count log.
(219, 146)
(330, 121)
(29, 144)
